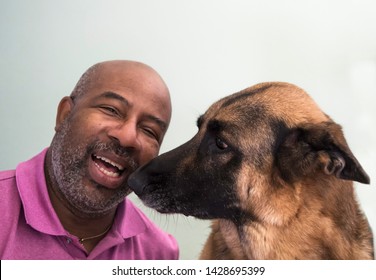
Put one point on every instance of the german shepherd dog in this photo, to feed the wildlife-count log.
(273, 172)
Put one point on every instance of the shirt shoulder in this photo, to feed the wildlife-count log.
(10, 207)
(7, 175)
(9, 192)
(8, 185)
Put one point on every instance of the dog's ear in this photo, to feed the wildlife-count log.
(310, 148)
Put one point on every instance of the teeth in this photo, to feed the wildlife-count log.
(108, 173)
(121, 168)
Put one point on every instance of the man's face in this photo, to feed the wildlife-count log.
(112, 129)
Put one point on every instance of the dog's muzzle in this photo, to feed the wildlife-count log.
(137, 182)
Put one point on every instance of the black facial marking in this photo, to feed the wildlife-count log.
(216, 126)
(280, 131)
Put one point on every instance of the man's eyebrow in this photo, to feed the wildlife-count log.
(113, 95)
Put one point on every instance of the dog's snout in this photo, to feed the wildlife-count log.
(137, 181)
(144, 178)
(155, 173)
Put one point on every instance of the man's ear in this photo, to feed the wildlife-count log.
(322, 147)
(63, 110)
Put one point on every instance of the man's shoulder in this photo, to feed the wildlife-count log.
(8, 184)
(25, 167)
(7, 175)
(7, 179)
(10, 198)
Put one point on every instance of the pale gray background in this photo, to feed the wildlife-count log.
(204, 50)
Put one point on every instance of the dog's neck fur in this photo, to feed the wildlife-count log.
(234, 239)
(250, 241)
(314, 232)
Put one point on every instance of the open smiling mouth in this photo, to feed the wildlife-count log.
(107, 166)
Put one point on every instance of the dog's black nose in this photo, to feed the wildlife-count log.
(152, 175)
(137, 182)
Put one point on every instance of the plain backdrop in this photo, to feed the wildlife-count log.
(204, 50)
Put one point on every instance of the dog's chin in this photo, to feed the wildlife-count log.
(169, 207)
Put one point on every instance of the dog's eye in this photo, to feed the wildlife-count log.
(221, 144)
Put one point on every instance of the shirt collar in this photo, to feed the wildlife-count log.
(32, 186)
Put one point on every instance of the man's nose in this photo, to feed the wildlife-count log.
(126, 134)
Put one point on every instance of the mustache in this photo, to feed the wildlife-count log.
(115, 148)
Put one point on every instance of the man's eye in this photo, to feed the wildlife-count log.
(151, 133)
(109, 110)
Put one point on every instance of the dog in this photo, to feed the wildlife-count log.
(272, 171)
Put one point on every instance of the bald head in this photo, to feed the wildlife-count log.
(116, 68)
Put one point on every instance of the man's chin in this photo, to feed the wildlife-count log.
(98, 201)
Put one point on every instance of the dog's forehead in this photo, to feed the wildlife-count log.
(282, 101)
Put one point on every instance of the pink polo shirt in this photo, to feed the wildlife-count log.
(30, 228)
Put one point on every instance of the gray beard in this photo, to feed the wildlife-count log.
(69, 165)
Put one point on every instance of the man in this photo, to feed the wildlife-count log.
(69, 201)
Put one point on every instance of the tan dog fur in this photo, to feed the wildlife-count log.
(290, 189)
